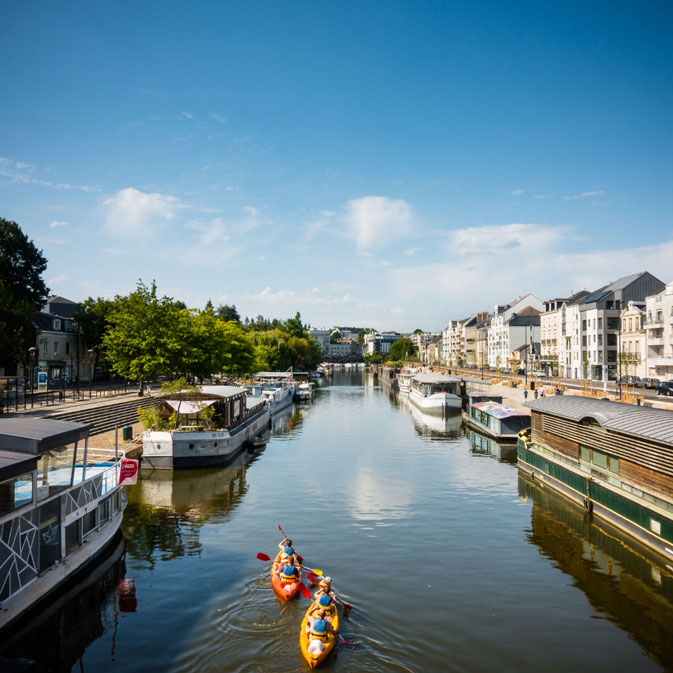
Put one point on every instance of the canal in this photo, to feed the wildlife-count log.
(452, 561)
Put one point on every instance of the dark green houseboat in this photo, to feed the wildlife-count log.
(613, 459)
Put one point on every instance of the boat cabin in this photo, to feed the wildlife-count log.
(230, 405)
(430, 384)
(56, 493)
(496, 419)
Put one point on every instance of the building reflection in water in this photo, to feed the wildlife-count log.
(621, 580)
(55, 636)
(504, 452)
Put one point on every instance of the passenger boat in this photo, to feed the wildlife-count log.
(285, 590)
(486, 413)
(305, 391)
(436, 393)
(404, 379)
(315, 659)
(61, 505)
(277, 395)
(237, 419)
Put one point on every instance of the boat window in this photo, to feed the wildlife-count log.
(54, 471)
(105, 510)
(614, 464)
(89, 522)
(600, 459)
(16, 492)
(50, 533)
(585, 454)
(73, 536)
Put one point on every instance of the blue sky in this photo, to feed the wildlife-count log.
(393, 164)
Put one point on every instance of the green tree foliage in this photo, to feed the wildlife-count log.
(294, 326)
(228, 313)
(22, 292)
(402, 349)
(143, 340)
(92, 316)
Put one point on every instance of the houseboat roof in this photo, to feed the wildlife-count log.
(627, 419)
(205, 392)
(278, 375)
(472, 379)
(435, 378)
(37, 435)
(13, 464)
(475, 394)
(497, 410)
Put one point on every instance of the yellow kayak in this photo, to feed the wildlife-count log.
(316, 655)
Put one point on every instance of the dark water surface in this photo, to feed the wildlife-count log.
(453, 562)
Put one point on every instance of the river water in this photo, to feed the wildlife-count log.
(452, 561)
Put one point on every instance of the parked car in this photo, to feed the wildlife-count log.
(651, 383)
(665, 388)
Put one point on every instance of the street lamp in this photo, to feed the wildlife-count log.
(90, 363)
(32, 354)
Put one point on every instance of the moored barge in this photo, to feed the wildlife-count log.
(487, 414)
(613, 459)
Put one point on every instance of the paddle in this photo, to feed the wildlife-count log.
(303, 590)
(265, 557)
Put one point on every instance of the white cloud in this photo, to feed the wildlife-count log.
(57, 223)
(504, 240)
(584, 195)
(410, 252)
(517, 192)
(376, 220)
(20, 172)
(187, 115)
(57, 280)
(132, 213)
(218, 118)
(545, 196)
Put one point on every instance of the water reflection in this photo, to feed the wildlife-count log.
(481, 445)
(430, 426)
(167, 508)
(57, 634)
(619, 580)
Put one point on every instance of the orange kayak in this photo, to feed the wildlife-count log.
(316, 658)
(285, 590)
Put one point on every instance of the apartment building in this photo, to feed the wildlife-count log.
(380, 342)
(659, 332)
(513, 325)
(632, 341)
(322, 337)
(600, 316)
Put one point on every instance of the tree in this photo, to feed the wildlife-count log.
(402, 349)
(22, 292)
(143, 340)
(92, 317)
(294, 326)
(228, 313)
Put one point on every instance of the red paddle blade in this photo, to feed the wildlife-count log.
(279, 528)
(263, 557)
(300, 558)
(304, 591)
(312, 578)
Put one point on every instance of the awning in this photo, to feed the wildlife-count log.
(189, 407)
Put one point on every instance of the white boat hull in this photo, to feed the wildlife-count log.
(437, 404)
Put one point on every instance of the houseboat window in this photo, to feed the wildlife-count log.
(16, 492)
(89, 522)
(600, 459)
(655, 526)
(105, 510)
(585, 454)
(50, 533)
(73, 536)
(614, 464)
(54, 471)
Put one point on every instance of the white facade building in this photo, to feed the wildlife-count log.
(659, 328)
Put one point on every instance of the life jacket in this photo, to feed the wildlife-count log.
(326, 603)
(319, 630)
(288, 551)
(289, 574)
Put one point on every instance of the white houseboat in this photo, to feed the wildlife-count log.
(486, 413)
(404, 379)
(201, 442)
(277, 395)
(61, 505)
(436, 393)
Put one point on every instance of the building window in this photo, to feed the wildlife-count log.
(56, 347)
(600, 356)
(67, 348)
(57, 325)
(584, 325)
(600, 339)
(649, 316)
(600, 323)
(660, 316)
(45, 348)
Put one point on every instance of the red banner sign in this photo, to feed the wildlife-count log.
(128, 472)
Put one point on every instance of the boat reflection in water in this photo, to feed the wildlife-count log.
(621, 579)
(482, 445)
(167, 509)
(59, 633)
(287, 420)
(433, 426)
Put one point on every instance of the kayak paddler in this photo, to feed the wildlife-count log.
(289, 573)
(324, 588)
(288, 554)
(318, 627)
(324, 603)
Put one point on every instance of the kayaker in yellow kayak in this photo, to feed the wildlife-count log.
(324, 603)
(318, 627)
(324, 588)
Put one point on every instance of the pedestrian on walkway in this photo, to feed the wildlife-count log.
(525, 394)
(542, 392)
(536, 393)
